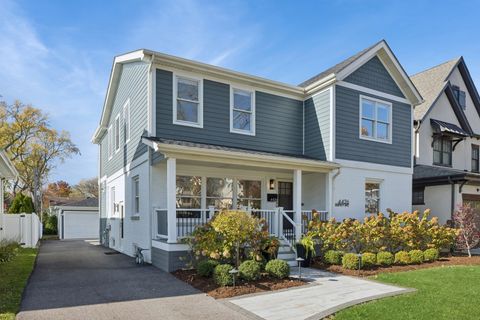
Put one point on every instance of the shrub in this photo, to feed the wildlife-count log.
(333, 257)
(21, 204)
(250, 270)
(402, 257)
(431, 254)
(8, 250)
(221, 275)
(416, 256)
(49, 224)
(369, 259)
(385, 258)
(278, 268)
(205, 267)
(350, 261)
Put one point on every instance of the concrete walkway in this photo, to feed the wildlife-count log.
(327, 294)
(77, 280)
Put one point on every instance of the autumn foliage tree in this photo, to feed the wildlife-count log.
(60, 189)
(464, 218)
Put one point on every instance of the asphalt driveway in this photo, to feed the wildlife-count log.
(77, 280)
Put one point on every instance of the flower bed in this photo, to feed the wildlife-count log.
(208, 285)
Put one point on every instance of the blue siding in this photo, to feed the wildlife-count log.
(350, 147)
(317, 125)
(373, 75)
(279, 120)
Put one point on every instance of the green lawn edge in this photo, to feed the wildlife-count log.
(13, 279)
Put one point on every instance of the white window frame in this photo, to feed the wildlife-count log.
(116, 127)
(136, 195)
(110, 142)
(113, 209)
(380, 191)
(198, 124)
(390, 124)
(250, 132)
(126, 121)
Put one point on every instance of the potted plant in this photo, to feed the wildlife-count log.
(306, 249)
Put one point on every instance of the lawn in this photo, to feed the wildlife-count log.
(443, 293)
(13, 278)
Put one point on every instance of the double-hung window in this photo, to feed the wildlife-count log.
(126, 121)
(375, 120)
(442, 151)
(242, 111)
(475, 158)
(188, 107)
(136, 195)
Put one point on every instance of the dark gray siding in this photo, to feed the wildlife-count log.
(133, 85)
(169, 260)
(373, 75)
(317, 125)
(279, 120)
(349, 146)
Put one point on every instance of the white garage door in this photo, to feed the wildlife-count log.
(80, 224)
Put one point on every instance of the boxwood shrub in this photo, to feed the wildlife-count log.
(205, 267)
(221, 275)
(385, 258)
(402, 257)
(350, 261)
(250, 270)
(431, 255)
(278, 268)
(416, 256)
(333, 257)
(369, 259)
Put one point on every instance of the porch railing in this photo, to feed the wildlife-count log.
(307, 216)
(271, 218)
(189, 219)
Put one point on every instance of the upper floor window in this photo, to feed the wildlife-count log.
(375, 120)
(460, 96)
(187, 106)
(475, 158)
(242, 111)
(126, 121)
(116, 129)
(442, 151)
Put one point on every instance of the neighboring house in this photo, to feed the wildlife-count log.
(78, 220)
(180, 140)
(7, 171)
(447, 133)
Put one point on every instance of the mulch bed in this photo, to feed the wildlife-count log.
(443, 261)
(208, 286)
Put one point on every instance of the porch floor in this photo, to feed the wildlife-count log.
(328, 294)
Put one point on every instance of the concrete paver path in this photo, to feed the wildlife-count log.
(77, 280)
(327, 294)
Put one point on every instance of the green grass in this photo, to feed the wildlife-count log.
(13, 278)
(443, 293)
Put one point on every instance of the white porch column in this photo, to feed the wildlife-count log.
(297, 202)
(171, 199)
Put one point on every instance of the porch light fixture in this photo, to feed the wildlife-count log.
(271, 184)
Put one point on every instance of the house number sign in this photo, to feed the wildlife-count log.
(342, 203)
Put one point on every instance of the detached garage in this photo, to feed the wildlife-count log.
(78, 220)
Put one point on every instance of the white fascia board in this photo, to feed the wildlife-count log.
(9, 171)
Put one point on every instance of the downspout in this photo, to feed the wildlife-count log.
(151, 126)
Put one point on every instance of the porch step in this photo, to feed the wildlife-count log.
(287, 254)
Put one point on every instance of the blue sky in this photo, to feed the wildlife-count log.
(57, 55)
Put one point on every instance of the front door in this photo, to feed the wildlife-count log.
(285, 200)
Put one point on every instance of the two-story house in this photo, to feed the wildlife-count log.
(179, 140)
(447, 140)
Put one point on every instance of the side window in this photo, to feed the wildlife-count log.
(136, 194)
(475, 158)
(372, 197)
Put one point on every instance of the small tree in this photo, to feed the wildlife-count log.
(21, 204)
(464, 219)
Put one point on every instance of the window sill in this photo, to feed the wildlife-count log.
(248, 133)
(135, 217)
(375, 140)
(418, 204)
(188, 124)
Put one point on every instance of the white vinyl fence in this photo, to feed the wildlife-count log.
(25, 228)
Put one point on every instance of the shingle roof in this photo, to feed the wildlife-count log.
(88, 202)
(427, 172)
(336, 68)
(430, 83)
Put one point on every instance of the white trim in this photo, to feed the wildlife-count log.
(170, 246)
(332, 123)
(251, 91)
(303, 127)
(199, 80)
(126, 115)
(171, 199)
(373, 166)
(390, 124)
(373, 92)
(135, 180)
(153, 104)
(110, 142)
(116, 127)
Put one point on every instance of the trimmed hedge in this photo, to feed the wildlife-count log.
(333, 257)
(416, 256)
(430, 255)
(385, 258)
(250, 270)
(369, 259)
(350, 261)
(205, 267)
(278, 268)
(402, 257)
(221, 275)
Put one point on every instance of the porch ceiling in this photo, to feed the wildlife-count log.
(189, 152)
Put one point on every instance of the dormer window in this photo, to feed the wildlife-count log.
(460, 96)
